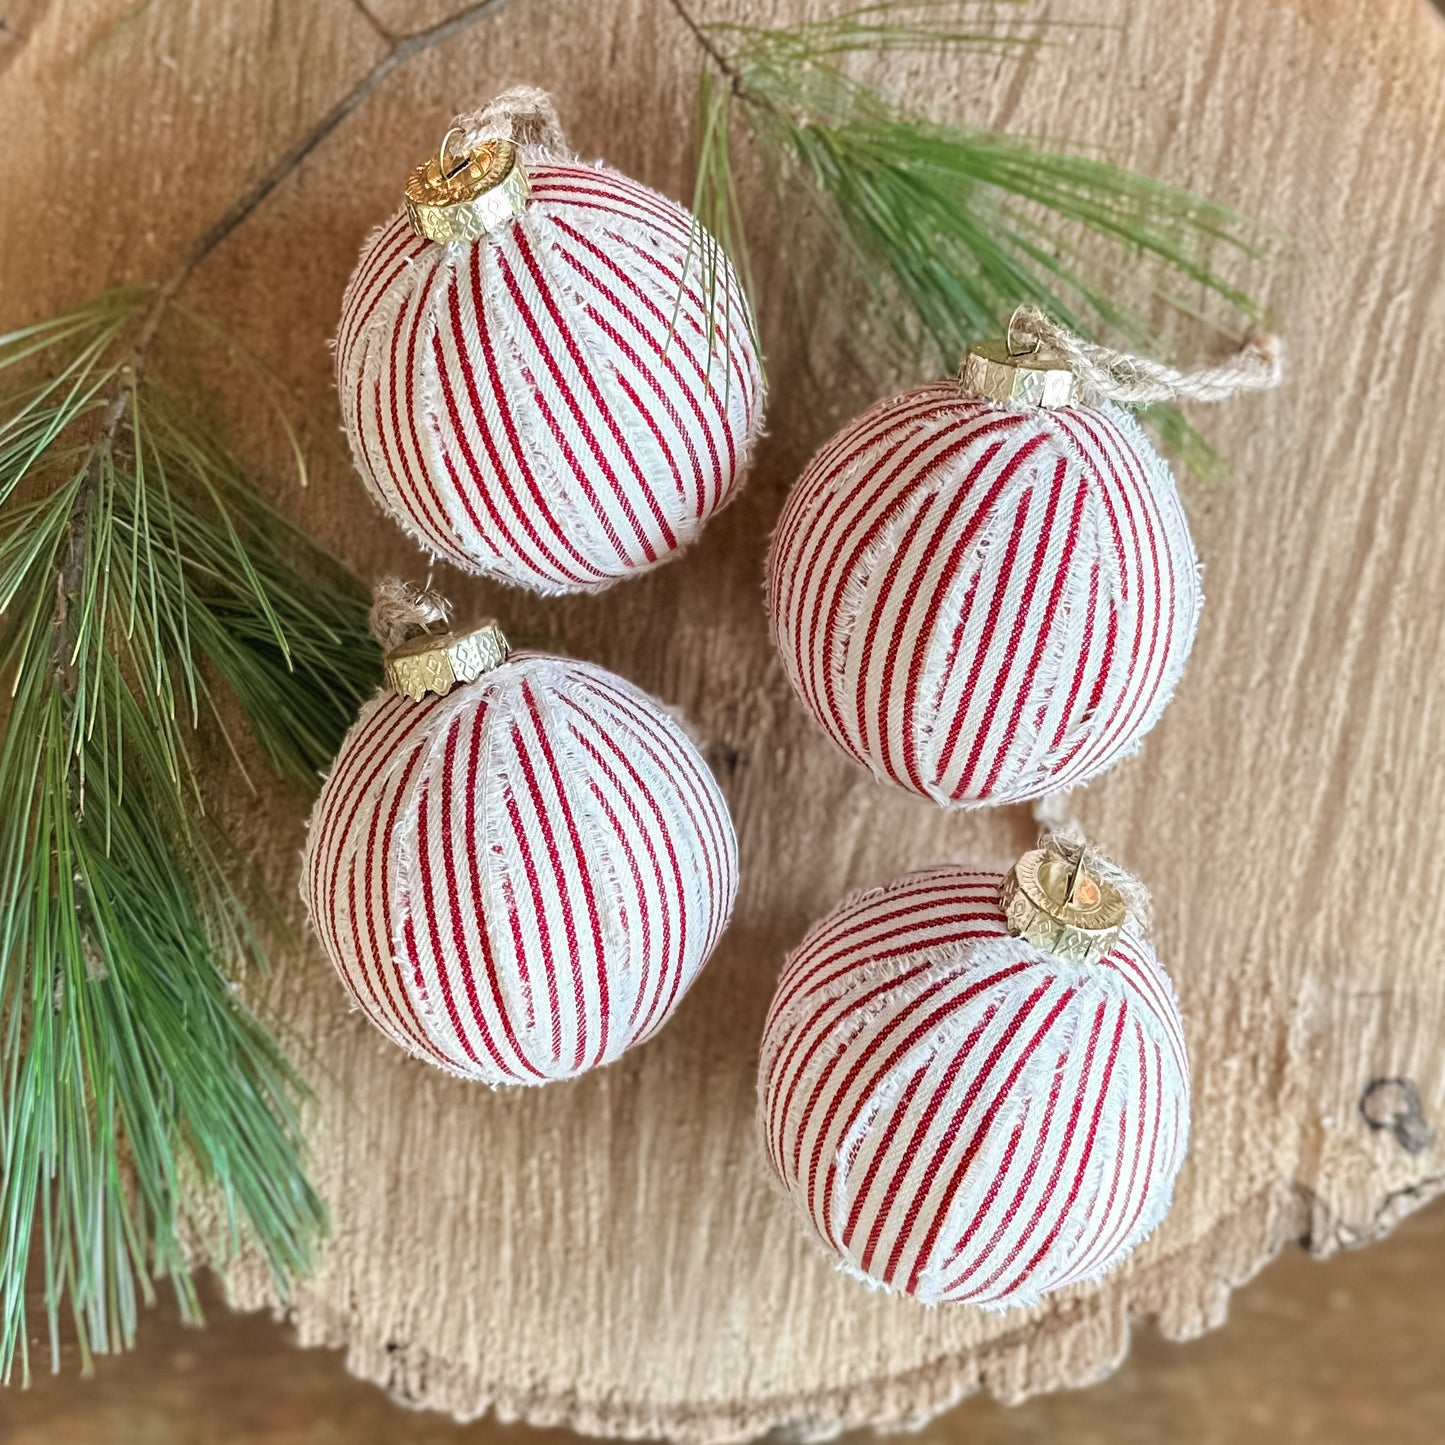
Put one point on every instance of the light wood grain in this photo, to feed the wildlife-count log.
(1283, 812)
(1340, 1353)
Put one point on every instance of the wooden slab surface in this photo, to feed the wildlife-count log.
(1285, 811)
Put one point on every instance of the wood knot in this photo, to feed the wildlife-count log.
(1394, 1104)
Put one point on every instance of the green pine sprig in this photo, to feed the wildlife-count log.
(949, 227)
(150, 596)
(145, 586)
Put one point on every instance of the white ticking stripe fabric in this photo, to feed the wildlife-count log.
(984, 604)
(555, 406)
(520, 880)
(960, 1116)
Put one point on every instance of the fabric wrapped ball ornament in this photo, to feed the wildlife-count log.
(518, 865)
(543, 378)
(985, 590)
(965, 1115)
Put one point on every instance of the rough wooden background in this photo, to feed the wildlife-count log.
(1284, 812)
(1341, 1353)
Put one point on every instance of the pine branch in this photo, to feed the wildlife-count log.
(400, 49)
(946, 227)
(143, 578)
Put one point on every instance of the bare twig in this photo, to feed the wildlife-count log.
(713, 50)
(366, 14)
(401, 49)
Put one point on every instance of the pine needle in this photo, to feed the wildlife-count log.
(947, 227)
(142, 576)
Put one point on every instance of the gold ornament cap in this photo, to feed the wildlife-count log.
(998, 372)
(1061, 907)
(466, 196)
(439, 661)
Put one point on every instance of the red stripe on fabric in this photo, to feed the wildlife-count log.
(785, 1077)
(639, 405)
(918, 655)
(475, 791)
(432, 911)
(416, 512)
(663, 353)
(1153, 991)
(980, 656)
(505, 408)
(842, 567)
(536, 497)
(680, 474)
(967, 1236)
(1086, 647)
(736, 320)
(975, 1088)
(385, 956)
(331, 831)
(548, 961)
(1138, 492)
(1045, 626)
(1149, 1174)
(1135, 684)
(412, 411)
(642, 790)
(1062, 1213)
(1111, 492)
(980, 1135)
(584, 876)
(696, 791)
(830, 1180)
(898, 633)
(1106, 1242)
(362, 748)
(428, 511)
(419, 1002)
(840, 1005)
(558, 889)
(917, 933)
(849, 937)
(1077, 760)
(1133, 483)
(863, 1195)
(370, 1000)
(1061, 1153)
(667, 962)
(910, 723)
(357, 314)
(883, 420)
(553, 567)
(631, 201)
(644, 919)
(574, 406)
(849, 932)
(455, 900)
(664, 357)
(1000, 680)
(579, 474)
(875, 720)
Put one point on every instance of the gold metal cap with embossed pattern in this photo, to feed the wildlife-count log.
(999, 371)
(439, 661)
(468, 195)
(1061, 907)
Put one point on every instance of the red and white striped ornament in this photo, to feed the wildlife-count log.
(565, 400)
(984, 601)
(519, 880)
(960, 1115)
